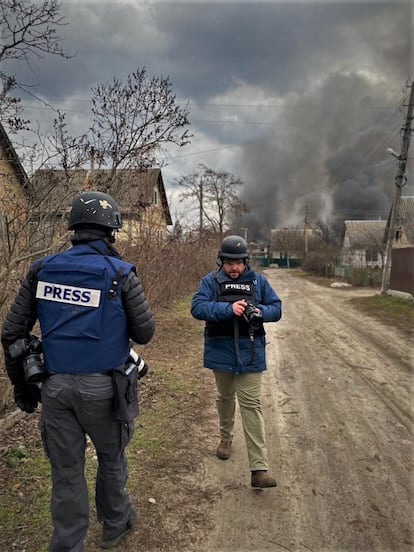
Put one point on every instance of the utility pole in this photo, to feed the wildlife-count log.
(201, 191)
(399, 183)
(305, 229)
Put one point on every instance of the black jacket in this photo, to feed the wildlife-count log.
(22, 317)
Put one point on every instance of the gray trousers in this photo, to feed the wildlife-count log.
(74, 406)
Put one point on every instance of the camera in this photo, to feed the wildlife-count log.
(30, 349)
(254, 318)
(134, 360)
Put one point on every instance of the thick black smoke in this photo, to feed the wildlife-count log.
(326, 156)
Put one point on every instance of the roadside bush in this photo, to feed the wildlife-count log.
(173, 270)
(319, 264)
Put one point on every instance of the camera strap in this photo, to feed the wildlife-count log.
(236, 339)
(236, 342)
(251, 337)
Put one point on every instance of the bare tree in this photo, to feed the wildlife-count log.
(135, 120)
(216, 195)
(329, 232)
(27, 30)
(288, 242)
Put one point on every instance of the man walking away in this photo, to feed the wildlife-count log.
(89, 303)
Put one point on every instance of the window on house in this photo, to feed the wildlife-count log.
(159, 236)
(155, 197)
(371, 255)
(147, 231)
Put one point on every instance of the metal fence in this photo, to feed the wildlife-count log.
(402, 270)
(359, 276)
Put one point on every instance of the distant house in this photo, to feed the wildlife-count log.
(140, 195)
(288, 245)
(363, 243)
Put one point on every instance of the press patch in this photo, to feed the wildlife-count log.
(237, 287)
(61, 293)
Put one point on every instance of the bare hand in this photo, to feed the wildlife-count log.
(239, 307)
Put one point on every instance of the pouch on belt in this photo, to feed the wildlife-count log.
(125, 398)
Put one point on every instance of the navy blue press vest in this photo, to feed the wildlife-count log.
(83, 324)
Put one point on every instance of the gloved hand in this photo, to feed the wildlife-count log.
(26, 396)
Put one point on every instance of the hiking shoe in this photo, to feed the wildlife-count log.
(261, 479)
(223, 450)
(112, 543)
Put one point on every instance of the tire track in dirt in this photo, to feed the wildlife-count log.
(353, 354)
(358, 426)
(337, 407)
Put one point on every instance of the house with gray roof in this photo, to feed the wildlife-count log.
(363, 243)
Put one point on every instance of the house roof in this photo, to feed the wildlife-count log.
(406, 217)
(362, 233)
(132, 189)
(12, 156)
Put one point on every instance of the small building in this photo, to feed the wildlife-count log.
(363, 243)
(288, 246)
(140, 195)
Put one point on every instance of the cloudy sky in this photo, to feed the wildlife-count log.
(300, 100)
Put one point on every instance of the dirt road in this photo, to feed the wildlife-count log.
(337, 403)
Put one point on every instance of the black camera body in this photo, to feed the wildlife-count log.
(254, 318)
(30, 349)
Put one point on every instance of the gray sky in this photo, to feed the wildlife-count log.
(298, 99)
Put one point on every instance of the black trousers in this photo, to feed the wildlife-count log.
(74, 406)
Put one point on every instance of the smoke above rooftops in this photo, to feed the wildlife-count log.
(329, 167)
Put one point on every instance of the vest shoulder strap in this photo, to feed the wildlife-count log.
(113, 289)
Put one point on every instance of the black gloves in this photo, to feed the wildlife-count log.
(26, 396)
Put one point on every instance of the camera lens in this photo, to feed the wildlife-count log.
(34, 371)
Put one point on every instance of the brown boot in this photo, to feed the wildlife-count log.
(223, 450)
(261, 479)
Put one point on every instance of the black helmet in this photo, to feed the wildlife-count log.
(233, 247)
(94, 209)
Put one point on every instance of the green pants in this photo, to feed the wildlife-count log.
(247, 387)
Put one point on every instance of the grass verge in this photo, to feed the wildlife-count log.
(389, 309)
